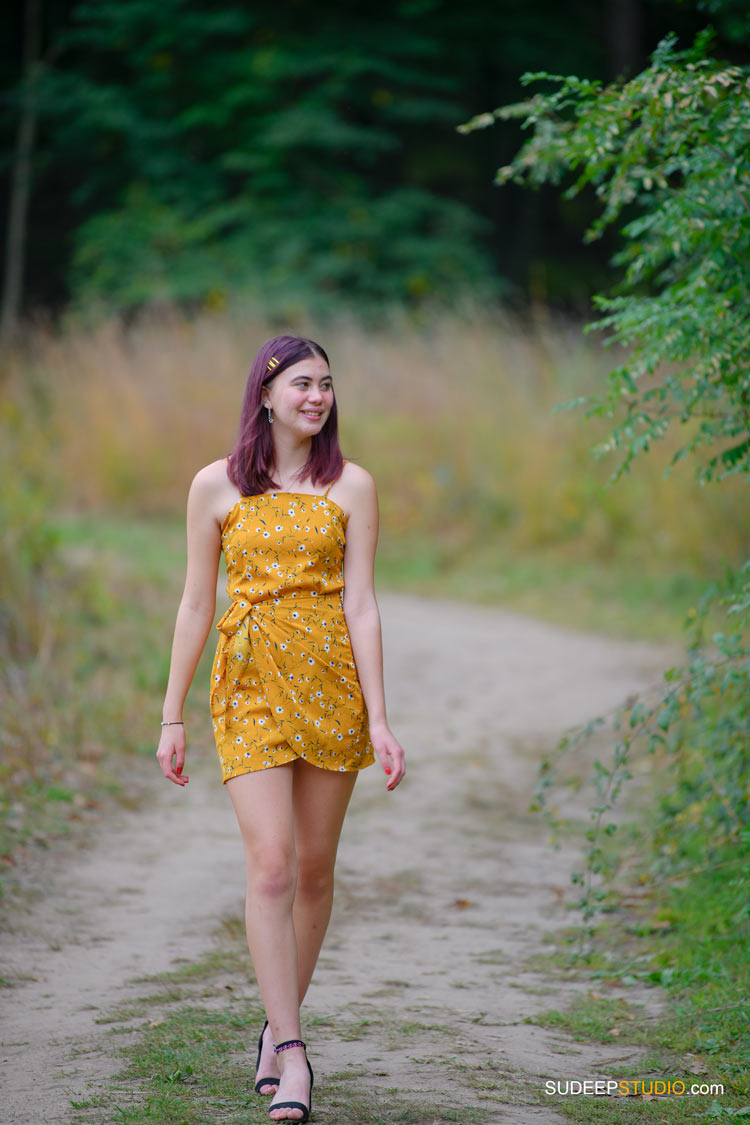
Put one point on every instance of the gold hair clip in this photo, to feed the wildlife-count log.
(273, 362)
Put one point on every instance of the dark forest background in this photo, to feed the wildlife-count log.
(186, 178)
(299, 153)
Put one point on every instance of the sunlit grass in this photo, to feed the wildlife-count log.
(454, 418)
(186, 1054)
(486, 494)
(688, 938)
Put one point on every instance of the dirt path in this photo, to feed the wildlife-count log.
(476, 696)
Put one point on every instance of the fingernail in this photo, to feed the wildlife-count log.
(387, 769)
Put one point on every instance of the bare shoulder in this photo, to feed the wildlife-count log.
(355, 488)
(357, 478)
(211, 490)
(213, 474)
(210, 479)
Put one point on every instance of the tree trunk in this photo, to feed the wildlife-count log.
(20, 184)
(623, 33)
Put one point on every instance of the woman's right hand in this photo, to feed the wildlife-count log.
(171, 753)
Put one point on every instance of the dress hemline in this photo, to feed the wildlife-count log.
(298, 757)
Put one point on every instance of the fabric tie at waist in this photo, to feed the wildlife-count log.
(239, 610)
(263, 638)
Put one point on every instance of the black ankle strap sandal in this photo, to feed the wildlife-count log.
(295, 1105)
(264, 1081)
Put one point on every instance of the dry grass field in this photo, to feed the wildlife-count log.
(486, 494)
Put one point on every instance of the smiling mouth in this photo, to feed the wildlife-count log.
(313, 413)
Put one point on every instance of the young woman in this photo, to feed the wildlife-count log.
(297, 683)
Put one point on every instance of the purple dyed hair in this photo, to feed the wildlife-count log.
(251, 461)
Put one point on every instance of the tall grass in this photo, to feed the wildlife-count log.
(454, 418)
(483, 492)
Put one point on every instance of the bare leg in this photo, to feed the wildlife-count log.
(321, 798)
(263, 803)
(290, 818)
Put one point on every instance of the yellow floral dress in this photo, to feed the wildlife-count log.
(284, 683)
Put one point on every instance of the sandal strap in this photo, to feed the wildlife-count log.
(265, 1082)
(289, 1043)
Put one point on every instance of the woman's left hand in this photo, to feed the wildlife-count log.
(389, 752)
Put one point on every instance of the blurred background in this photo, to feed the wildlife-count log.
(298, 154)
(183, 180)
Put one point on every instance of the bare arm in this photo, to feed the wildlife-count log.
(363, 623)
(194, 618)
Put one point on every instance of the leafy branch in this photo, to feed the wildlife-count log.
(667, 156)
(710, 693)
(649, 148)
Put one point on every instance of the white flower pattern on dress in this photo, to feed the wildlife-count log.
(284, 683)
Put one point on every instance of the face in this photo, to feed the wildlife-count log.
(301, 397)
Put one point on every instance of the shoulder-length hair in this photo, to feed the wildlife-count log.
(251, 461)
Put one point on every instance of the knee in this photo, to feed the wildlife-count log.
(271, 877)
(314, 876)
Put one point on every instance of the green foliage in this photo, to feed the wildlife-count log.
(697, 733)
(670, 149)
(689, 936)
(79, 671)
(276, 124)
(231, 149)
(48, 750)
(666, 154)
(732, 17)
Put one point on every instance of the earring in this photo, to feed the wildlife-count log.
(270, 415)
